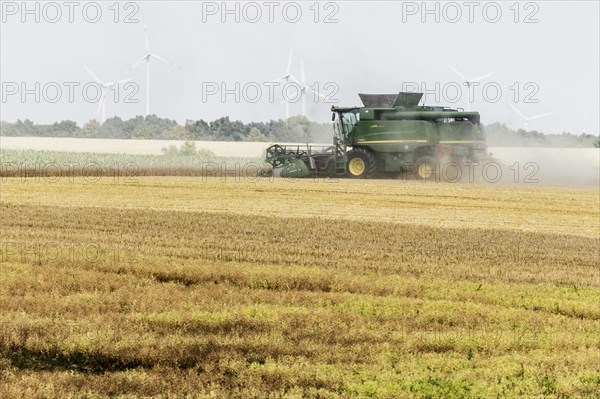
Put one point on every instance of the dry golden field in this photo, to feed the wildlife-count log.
(225, 287)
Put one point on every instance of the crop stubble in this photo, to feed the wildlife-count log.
(275, 287)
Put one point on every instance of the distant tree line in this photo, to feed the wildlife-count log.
(294, 129)
(499, 135)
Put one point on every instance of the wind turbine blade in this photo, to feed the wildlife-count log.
(292, 77)
(463, 77)
(285, 78)
(289, 64)
(540, 116)
(164, 60)
(517, 111)
(481, 77)
(96, 78)
(315, 92)
(136, 64)
(302, 76)
(118, 82)
(146, 39)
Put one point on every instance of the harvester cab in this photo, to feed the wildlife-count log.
(389, 133)
(344, 122)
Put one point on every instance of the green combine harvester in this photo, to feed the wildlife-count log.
(391, 133)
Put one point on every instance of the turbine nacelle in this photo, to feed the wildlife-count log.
(469, 82)
(289, 77)
(526, 118)
(146, 58)
(104, 86)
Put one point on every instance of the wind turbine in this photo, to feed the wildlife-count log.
(287, 77)
(304, 88)
(469, 82)
(527, 119)
(103, 89)
(146, 58)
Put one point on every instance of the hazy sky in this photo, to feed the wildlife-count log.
(544, 55)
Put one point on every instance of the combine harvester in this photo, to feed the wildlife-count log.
(390, 134)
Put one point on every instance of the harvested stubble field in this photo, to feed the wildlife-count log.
(212, 287)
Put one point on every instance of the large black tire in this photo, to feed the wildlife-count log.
(361, 164)
(427, 168)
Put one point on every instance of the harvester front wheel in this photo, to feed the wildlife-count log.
(361, 164)
(426, 168)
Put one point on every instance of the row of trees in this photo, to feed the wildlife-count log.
(500, 135)
(294, 129)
